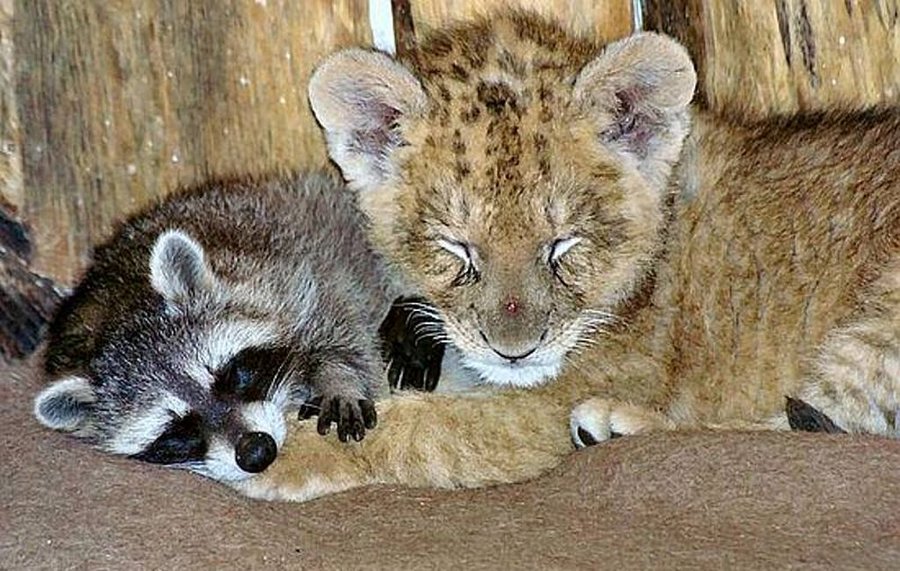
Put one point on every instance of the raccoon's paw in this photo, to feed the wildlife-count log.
(598, 420)
(352, 416)
(413, 355)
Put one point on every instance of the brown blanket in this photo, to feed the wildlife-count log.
(689, 500)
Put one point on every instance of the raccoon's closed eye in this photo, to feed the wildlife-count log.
(181, 442)
(249, 374)
(468, 273)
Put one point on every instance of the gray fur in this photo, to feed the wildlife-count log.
(180, 288)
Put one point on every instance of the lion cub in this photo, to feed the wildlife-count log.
(580, 238)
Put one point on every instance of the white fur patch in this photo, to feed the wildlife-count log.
(455, 376)
(458, 249)
(524, 374)
(264, 416)
(220, 464)
(227, 340)
(139, 431)
(75, 389)
(560, 247)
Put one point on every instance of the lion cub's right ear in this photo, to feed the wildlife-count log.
(361, 99)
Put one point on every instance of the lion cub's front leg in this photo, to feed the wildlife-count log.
(425, 440)
(598, 419)
(854, 383)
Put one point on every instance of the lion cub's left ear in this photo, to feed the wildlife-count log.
(638, 90)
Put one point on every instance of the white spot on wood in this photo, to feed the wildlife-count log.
(637, 16)
(131, 169)
(175, 157)
(842, 40)
(381, 21)
(244, 81)
(282, 100)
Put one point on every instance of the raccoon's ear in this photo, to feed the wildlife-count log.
(178, 268)
(361, 98)
(638, 90)
(65, 404)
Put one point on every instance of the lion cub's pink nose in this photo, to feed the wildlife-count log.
(513, 305)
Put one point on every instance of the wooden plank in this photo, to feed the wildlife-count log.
(608, 19)
(784, 56)
(11, 196)
(120, 101)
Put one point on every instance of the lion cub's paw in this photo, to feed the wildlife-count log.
(597, 420)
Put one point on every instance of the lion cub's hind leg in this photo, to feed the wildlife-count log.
(855, 377)
(598, 419)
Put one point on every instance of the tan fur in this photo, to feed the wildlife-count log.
(764, 264)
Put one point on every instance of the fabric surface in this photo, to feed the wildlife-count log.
(684, 500)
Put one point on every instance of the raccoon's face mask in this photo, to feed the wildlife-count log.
(207, 394)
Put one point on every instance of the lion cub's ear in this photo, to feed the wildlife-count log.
(638, 90)
(360, 98)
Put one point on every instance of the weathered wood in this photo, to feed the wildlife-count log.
(756, 58)
(609, 19)
(10, 144)
(122, 101)
(27, 301)
(404, 27)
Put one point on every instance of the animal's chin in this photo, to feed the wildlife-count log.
(521, 374)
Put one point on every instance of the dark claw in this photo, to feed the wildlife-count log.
(323, 426)
(586, 437)
(394, 372)
(433, 374)
(310, 408)
(352, 418)
(344, 421)
(328, 414)
(804, 418)
(370, 418)
(359, 431)
(415, 360)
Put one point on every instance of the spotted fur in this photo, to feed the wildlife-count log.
(720, 266)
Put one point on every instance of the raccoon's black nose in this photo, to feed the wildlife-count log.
(255, 451)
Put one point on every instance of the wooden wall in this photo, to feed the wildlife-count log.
(120, 101)
(105, 105)
(766, 56)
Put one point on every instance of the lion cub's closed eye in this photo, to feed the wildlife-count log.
(521, 195)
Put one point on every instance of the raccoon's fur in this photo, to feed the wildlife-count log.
(208, 317)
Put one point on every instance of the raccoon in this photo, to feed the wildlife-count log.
(210, 316)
